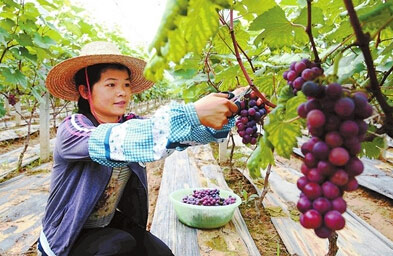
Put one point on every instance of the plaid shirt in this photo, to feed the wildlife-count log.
(173, 127)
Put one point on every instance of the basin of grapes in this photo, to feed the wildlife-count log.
(204, 208)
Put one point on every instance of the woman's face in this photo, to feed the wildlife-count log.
(111, 95)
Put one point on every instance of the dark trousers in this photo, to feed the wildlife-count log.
(112, 240)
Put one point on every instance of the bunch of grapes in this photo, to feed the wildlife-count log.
(11, 99)
(336, 122)
(300, 72)
(252, 110)
(208, 197)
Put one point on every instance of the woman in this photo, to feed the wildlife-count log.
(98, 194)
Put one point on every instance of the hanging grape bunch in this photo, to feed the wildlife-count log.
(252, 111)
(301, 72)
(336, 122)
(11, 99)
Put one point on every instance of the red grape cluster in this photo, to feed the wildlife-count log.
(330, 165)
(300, 72)
(208, 197)
(252, 110)
(11, 99)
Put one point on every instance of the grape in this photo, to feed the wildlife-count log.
(303, 204)
(323, 232)
(322, 205)
(349, 128)
(339, 156)
(312, 190)
(354, 167)
(332, 123)
(314, 176)
(298, 83)
(308, 74)
(344, 107)
(312, 104)
(310, 89)
(339, 205)
(339, 178)
(291, 75)
(316, 118)
(334, 91)
(301, 182)
(300, 66)
(325, 168)
(304, 169)
(330, 190)
(310, 160)
(321, 150)
(333, 139)
(312, 219)
(301, 110)
(334, 220)
(351, 185)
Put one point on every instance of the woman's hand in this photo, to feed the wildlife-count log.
(214, 110)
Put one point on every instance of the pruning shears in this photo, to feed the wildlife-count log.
(238, 98)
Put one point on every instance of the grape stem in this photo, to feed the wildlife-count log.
(363, 42)
(253, 87)
(309, 33)
(333, 248)
(208, 70)
(265, 184)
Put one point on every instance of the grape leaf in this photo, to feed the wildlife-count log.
(201, 24)
(292, 105)
(266, 152)
(255, 6)
(14, 77)
(228, 78)
(265, 84)
(277, 30)
(374, 17)
(282, 134)
(373, 149)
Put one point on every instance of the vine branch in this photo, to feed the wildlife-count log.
(363, 41)
(309, 33)
(254, 88)
(223, 22)
(385, 76)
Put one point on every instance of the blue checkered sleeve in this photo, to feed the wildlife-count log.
(173, 127)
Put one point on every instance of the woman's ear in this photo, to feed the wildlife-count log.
(83, 91)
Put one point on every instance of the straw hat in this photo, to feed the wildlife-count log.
(60, 80)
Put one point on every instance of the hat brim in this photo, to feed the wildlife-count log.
(60, 80)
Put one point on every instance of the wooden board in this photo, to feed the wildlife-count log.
(165, 225)
(203, 157)
(22, 204)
